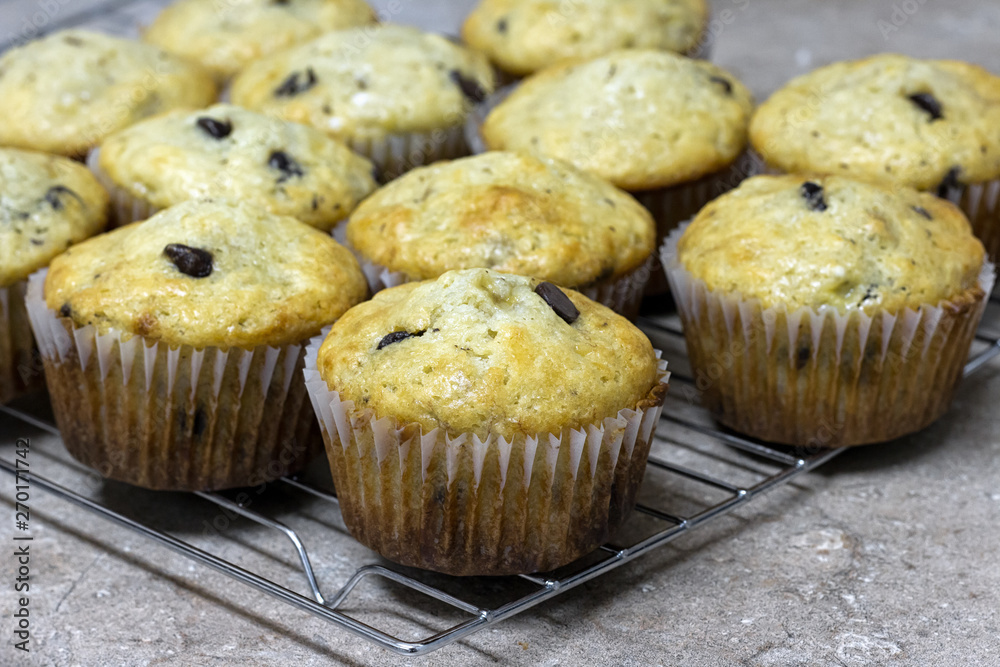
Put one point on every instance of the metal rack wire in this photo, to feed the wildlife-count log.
(696, 474)
(722, 472)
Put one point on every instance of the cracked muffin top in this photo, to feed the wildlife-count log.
(510, 212)
(225, 152)
(367, 83)
(638, 118)
(794, 241)
(206, 273)
(524, 36)
(65, 92)
(227, 36)
(47, 203)
(482, 352)
(924, 123)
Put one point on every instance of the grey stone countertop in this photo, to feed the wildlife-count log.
(887, 555)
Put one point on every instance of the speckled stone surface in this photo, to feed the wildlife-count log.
(886, 556)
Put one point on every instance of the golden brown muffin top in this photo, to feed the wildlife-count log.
(524, 36)
(640, 119)
(367, 83)
(510, 212)
(794, 241)
(482, 352)
(887, 118)
(227, 36)
(225, 152)
(65, 92)
(206, 273)
(47, 203)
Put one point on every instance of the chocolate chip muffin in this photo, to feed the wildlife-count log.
(666, 128)
(500, 424)
(225, 152)
(510, 212)
(67, 91)
(393, 93)
(524, 36)
(226, 37)
(172, 347)
(824, 311)
(47, 203)
(927, 124)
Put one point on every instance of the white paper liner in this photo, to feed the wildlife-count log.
(125, 207)
(396, 154)
(173, 418)
(981, 204)
(568, 478)
(816, 377)
(20, 368)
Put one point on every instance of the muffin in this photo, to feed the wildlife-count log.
(926, 124)
(668, 129)
(67, 91)
(47, 203)
(825, 312)
(485, 423)
(522, 37)
(226, 37)
(225, 152)
(173, 347)
(395, 94)
(510, 212)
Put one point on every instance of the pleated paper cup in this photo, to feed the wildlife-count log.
(466, 506)
(815, 377)
(981, 204)
(622, 295)
(396, 154)
(181, 418)
(20, 366)
(125, 207)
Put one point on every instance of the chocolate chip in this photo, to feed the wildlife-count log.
(296, 83)
(949, 183)
(286, 165)
(928, 103)
(923, 211)
(73, 41)
(813, 194)
(193, 262)
(397, 336)
(37, 241)
(65, 311)
(470, 87)
(558, 301)
(54, 196)
(502, 26)
(215, 128)
(727, 86)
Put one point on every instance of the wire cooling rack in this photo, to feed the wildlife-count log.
(696, 473)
